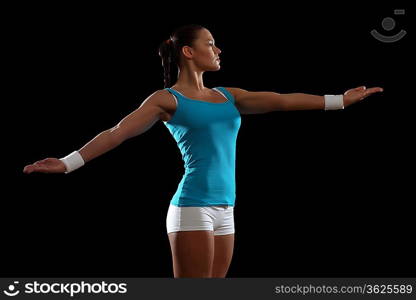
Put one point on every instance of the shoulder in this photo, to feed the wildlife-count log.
(159, 94)
(235, 92)
(156, 97)
(162, 99)
(163, 96)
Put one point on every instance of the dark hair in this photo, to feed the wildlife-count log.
(170, 49)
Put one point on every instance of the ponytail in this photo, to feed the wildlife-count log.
(166, 54)
(169, 50)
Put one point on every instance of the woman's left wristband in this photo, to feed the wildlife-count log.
(72, 161)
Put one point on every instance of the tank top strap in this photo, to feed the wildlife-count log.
(172, 91)
(226, 93)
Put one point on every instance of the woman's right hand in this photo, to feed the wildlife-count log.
(48, 165)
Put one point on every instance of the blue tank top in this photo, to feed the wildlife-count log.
(206, 135)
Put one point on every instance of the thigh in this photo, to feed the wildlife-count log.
(192, 253)
(223, 253)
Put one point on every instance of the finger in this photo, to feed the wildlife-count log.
(35, 168)
(28, 169)
(375, 90)
(41, 169)
(360, 88)
(370, 91)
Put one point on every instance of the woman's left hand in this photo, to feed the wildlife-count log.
(354, 95)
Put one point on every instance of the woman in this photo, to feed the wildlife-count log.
(205, 123)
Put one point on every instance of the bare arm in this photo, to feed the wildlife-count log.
(137, 122)
(263, 102)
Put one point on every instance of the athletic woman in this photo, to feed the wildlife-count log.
(204, 122)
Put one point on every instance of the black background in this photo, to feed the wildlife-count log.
(319, 194)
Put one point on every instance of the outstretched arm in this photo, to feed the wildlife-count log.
(264, 102)
(137, 122)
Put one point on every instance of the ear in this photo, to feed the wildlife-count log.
(187, 51)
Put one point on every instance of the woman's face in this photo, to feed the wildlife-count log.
(205, 53)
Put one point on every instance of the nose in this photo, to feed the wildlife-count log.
(218, 50)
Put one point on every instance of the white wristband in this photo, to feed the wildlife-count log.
(333, 102)
(72, 161)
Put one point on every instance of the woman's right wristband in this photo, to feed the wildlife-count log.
(72, 161)
(334, 102)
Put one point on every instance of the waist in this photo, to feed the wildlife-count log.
(210, 181)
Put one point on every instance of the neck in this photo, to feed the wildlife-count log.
(190, 80)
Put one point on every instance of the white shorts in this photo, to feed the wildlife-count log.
(219, 219)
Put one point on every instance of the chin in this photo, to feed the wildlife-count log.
(213, 69)
(216, 68)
